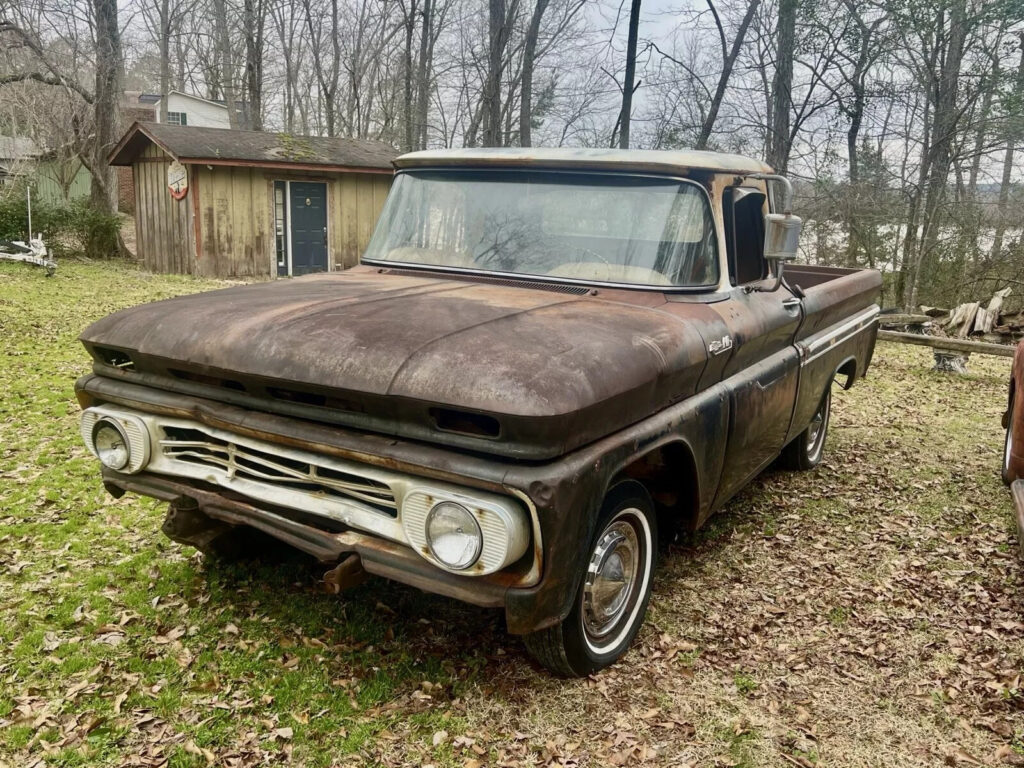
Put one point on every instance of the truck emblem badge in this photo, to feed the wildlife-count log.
(718, 346)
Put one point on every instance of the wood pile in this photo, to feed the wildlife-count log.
(956, 333)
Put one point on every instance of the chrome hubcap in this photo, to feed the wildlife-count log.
(611, 578)
(816, 429)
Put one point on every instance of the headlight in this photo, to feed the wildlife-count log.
(453, 535)
(111, 444)
(117, 437)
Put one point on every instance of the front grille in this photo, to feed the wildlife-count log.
(194, 446)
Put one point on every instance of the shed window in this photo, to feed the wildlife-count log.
(177, 118)
(281, 226)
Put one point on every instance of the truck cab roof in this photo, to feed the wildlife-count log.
(675, 162)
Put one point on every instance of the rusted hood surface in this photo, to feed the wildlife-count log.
(556, 369)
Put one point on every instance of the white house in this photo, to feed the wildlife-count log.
(182, 109)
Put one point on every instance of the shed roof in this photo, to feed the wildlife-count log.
(224, 146)
(637, 160)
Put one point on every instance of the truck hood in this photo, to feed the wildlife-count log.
(507, 369)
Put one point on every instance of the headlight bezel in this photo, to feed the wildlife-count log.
(476, 535)
(134, 432)
(506, 528)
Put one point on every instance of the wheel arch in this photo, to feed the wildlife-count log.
(669, 474)
(847, 368)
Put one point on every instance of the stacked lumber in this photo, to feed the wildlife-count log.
(955, 333)
(974, 321)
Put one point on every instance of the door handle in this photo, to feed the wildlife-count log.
(791, 303)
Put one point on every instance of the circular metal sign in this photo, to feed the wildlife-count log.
(177, 180)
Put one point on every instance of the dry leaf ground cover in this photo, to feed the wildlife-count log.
(865, 614)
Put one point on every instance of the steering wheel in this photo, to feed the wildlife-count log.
(586, 251)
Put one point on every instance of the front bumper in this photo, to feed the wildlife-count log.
(379, 556)
(561, 495)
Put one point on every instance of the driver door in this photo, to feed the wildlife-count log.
(763, 369)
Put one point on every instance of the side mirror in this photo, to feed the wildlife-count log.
(781, 239)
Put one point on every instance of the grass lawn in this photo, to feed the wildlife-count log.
(868, 613)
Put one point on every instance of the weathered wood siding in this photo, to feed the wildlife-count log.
(164, 234)
(235, 233)
(356, 200)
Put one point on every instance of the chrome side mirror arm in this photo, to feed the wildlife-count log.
(782, 235)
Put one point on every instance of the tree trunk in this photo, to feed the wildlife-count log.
(423, 73)
(628, 86)
(856, 114)
(529, 55)
(943, 136)
(1016, 129)
(227, 75)
(254, 20)
(109, 64)
(165, 56)
(723, 81)
(498, 36)
(407, 107)
(779, 141)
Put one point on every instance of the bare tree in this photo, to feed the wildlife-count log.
(1014, 133)
(499, 15)
(629, 84)
(529, 56)
(254, 19)
(779, 137)
(225, 58)
(729, 56)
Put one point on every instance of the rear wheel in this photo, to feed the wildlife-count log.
(806, 450)
(612, 599)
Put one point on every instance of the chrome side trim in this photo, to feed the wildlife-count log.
(818, 345)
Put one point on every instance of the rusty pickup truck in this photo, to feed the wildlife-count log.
(546, 360)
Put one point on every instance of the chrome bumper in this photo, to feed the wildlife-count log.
(369, 499)
(380, 557)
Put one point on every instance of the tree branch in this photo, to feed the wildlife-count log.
(55, 77)
(39, 77)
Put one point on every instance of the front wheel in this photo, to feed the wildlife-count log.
(612, 599)
(806, 450)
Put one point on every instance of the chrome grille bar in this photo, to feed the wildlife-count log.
(240, 461)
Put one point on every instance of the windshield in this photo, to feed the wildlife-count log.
(590, 227)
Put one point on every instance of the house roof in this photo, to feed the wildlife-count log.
(18, 148)
(223, 146)
(140, 97)
(637, 160)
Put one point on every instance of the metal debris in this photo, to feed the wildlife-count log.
(35, 253)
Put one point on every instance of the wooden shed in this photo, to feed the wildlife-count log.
(225, 203)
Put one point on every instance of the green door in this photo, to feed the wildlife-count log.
(308, 227)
